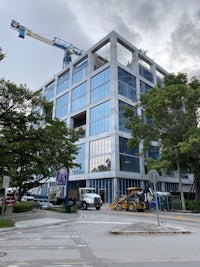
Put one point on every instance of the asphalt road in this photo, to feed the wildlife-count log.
(84, 240)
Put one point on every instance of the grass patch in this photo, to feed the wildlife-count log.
(6, 223)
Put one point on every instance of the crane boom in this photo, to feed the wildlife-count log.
(69, 49)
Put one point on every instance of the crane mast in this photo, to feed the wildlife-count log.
(69, 49)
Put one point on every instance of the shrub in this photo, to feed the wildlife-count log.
(23, 207)
(193, 205)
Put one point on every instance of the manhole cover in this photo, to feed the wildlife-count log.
(2, 254)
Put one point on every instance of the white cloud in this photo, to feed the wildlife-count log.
(169, 30)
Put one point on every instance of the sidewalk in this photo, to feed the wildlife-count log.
(38, 218)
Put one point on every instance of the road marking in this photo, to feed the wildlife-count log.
(103, 222)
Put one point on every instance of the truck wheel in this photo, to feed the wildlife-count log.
(84, 206)
(98, 208)
(132, 206)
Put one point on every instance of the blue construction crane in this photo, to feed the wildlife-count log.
(68, 48)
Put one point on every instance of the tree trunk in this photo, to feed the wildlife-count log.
(197, 189)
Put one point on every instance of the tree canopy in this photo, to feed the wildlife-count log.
(32, 144)
(2, 55)
(170, 116)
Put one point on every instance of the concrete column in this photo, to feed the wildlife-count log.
(115, 188)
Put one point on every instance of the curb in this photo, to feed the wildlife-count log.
(147, 229)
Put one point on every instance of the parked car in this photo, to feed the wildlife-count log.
(42, 205)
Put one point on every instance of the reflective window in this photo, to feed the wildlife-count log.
(49, 91)
(100, 85)
(100, 146)
(129, 158)
(125, 183)
(80, 159)
(79, 96)
(127, 84)
(100, 155)
(80, 72)
(144, 87)
(153, 152)
(100, 118)
(144, 72)
(61, 106)
(63, 82)
(122, 119)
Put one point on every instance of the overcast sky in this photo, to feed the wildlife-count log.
(168, 29)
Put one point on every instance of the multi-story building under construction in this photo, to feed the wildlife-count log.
(91, 93)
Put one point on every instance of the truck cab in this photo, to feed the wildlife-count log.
(89, 198)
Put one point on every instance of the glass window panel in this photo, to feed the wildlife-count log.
(100, 163)
(144, 72)
(126, 78)
(127, 84)
(79, 97)
(100, 118)
(144, 87)
(129, 164)
(100, 146)
(125, 183)
(100, 78)
(122, 119)
(61, 108)
(63, 82)
(80, 72)
(124, 149)
(80, 159)
(100, 155)
(100, 92)
(153, 152)
(129, 158)
(49, 91)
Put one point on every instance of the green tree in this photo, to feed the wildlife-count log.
(2, 55)
(32, 144)
(170, 116)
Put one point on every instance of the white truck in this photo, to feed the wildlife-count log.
(85, 197)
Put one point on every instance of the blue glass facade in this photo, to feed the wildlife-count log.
(49, 91)
(79, 96)
(63, 82)
(122, 119)
(144, 87)
(127, 84)
(80, 159)
(100, 118)
(146, 73)
(100, 85)
(61, 108)
(129, 158)
(153, 152)
(80, 72)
